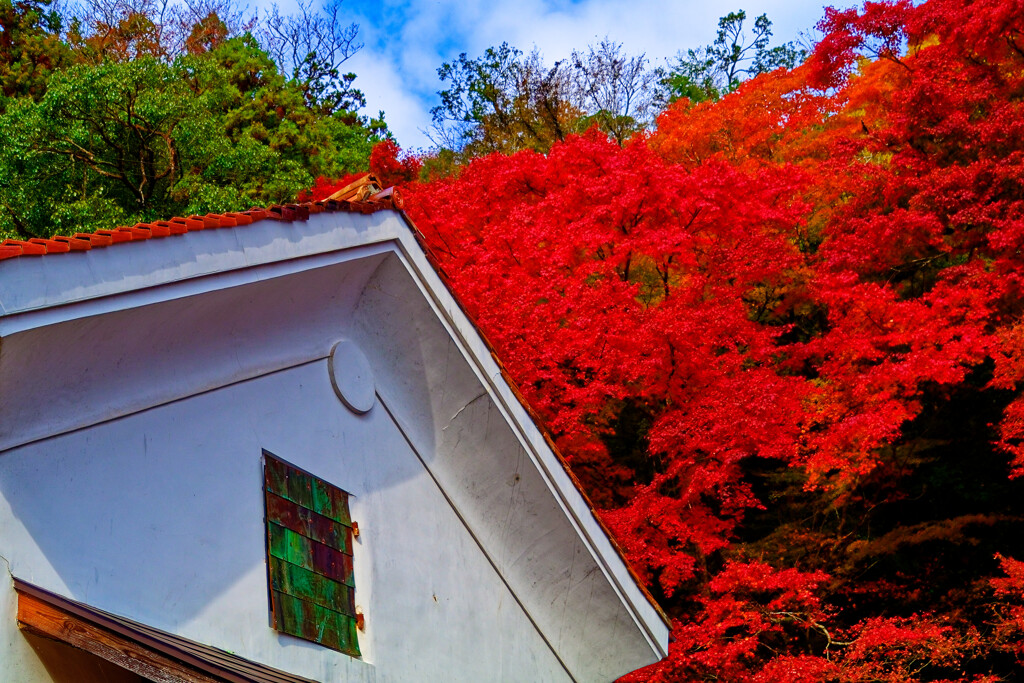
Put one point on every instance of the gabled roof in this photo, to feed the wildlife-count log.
(37, 294)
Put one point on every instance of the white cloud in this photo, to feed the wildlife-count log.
(385, 87)
(407, 40)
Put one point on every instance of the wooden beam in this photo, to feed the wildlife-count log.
(358, 190)
(45, 620)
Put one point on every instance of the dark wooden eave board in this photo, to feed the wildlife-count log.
(149, 652)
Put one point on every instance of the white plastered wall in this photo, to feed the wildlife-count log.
(159, 516)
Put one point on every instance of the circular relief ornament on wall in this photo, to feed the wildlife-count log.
(352, 377)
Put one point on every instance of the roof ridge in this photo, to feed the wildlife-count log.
(362, 196)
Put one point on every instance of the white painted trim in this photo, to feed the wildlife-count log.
(469, 530)
(160, 404)
(40, 282)
(529, 436)
(200, 284)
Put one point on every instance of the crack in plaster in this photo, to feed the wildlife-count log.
(466, 405)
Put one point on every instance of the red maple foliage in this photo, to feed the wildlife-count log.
(392, 167)
(325, 187)
(781, 342)
(387, 162)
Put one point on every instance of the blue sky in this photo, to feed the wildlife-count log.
(406, 40)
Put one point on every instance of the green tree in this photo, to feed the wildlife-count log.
(256, 102)
(617, 89)
(30, 48)
(709, 72)
(145, 139)
(505, 101)
(100, 145)
(311, 46)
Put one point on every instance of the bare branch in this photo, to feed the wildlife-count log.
(311, 47)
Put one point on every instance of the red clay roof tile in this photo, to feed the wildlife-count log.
(154, 229)
(9, 251)
(225, 220)
(206, 222)
(94, 239)
(74, 243)
(173, 227)
(52, 246)
(116, 236)
(27, 248)
(138, 232)
(363, 196)
(191, 223)
(286, 212)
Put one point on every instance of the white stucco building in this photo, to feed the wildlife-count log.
(143, 386)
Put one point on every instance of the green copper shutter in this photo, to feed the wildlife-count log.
(309, 557)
